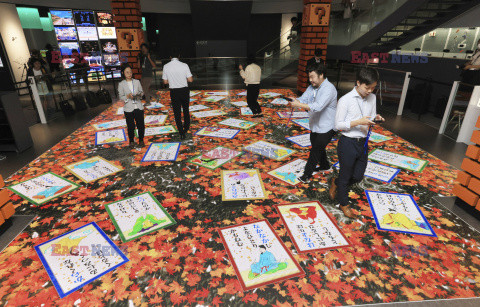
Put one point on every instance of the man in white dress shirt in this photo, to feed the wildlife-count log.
(177, 75)
(356, 112)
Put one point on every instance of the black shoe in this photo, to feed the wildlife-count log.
(141, 143)
(318, 169)
(132, 145)
(304, 179)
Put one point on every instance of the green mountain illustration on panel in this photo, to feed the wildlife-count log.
(145, 223)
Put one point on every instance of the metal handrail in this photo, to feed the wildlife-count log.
(274, 41)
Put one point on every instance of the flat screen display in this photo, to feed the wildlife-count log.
(94, 61)
(62, 18)
(66, 33)
(113, 71)
(67, 48)
(84, 18)
(106, 32)
(109, 46)
(87, 33)
(104, 19)
(111, 59)
(90, 47)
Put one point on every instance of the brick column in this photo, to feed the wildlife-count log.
(315, 26)
(127, 19)
(468, 186)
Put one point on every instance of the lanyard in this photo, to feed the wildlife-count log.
(361, 111)
(365, 146)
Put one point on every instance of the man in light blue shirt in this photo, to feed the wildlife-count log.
(356, 111)
(320, 99)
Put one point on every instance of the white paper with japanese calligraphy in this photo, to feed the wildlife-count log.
(155, 105)
(258, 255)
(399, 213)
(149, 131)
(111, 124)
(310, 227)
(43, 188)
(155, 119)
(270, 150)
(302, 122)
(239, 103)
(378, 171)
(161, 152)
(120, 111)
(279, 101)
(394, 159)
(78, 257)
(242, 185)
(302, 140)
(218, 132)
(210, 113)
(214, 98)
(237, 123)
(138, 215)
(294, 114)
(269, 95)
(246, 111)
(93, 168)
(197, 107)
(378, 138)
(217, 93)
(110, 136)
(290, 172)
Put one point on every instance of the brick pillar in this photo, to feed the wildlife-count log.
(315, 26)
(127, 19)
(468, 186)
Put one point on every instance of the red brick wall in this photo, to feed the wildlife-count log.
(312, 37)
(127, 14)
(468, 186)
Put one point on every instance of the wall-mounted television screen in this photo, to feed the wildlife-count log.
(109, 46)
(90, 47)
(62, 18)
(66, 33)
(107, 32)
(104, 19)
(114, 72)
(111, 59)
(87, 33)
(84, 18)
(94, 61)
(67, 48)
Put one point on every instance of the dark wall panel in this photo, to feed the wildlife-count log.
(174, 30)
(263, 29)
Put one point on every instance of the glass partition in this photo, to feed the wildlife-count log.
(456, 111)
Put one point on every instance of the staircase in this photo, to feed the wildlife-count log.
(429, 15)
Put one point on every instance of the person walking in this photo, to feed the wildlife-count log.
(252, 75)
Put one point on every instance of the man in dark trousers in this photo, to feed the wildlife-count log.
(177, 75)
(356, 112)
(320, 100)
(316, 59)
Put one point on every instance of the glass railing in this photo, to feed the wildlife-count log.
(388, 91)
(224, 71)
(456, 109)
(346, 27)
(64, 93)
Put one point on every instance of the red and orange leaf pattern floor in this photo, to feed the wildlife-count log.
(186, 264)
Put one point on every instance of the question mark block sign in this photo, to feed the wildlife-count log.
(317, 14)
(128, 39)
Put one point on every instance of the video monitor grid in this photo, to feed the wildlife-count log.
(84, 18)
(87, 33)
(66, 33)
(62, 17)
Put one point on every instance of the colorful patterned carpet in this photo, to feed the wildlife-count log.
(186, 264)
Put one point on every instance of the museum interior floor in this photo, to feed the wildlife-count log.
(187, 263)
